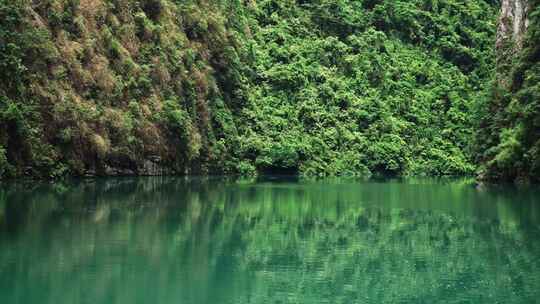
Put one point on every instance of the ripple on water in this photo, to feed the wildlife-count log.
(275, 242)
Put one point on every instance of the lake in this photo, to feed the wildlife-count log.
(268, 240)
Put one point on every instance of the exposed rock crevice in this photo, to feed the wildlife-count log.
(513, 23)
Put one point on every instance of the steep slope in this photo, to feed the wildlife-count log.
(509, 135)
(317, 87)
(117, 86)
(349, 87)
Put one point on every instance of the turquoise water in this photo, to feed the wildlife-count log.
(272, 240)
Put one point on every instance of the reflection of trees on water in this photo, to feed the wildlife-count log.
(120, 240)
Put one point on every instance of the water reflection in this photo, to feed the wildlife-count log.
(171, 240)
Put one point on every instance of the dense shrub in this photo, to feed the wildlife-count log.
(84, 85)
(508, 145)
(315, 87)
(351, 87)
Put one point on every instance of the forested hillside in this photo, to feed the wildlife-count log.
(119, 87)
(316, 87)
(345, 87)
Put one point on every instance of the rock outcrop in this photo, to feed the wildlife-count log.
(509, 134)
(512, 26)
(513, 23)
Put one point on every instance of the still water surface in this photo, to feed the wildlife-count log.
(272, 240)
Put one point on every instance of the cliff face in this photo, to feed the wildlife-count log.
(513, 22)
(509, 134)
(512, 27)
(117, 87)
(122, 87)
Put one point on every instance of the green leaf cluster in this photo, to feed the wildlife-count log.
(351, 87)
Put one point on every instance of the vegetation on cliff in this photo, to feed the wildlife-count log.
(109, 86)
(315, 87)
(509, 134)
(351, 87)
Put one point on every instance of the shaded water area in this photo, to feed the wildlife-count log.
(271, 240)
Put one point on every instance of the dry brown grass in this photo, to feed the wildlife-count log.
(113, 119)
(155, 104)
(151, 137)
(145, 110)
(80, 77)
(176, 82)
(129, 39)
(100, 145)
(113, 21)
(57, 6)
(89, 50)
(124, 8)
(40, 91)
(167, 14)
(69, 50)
(71, 53)
(103, 75)
(91, 9)
(70, 107)
(201, 49)
(201, 81)
(36, 19)
(87, 109)
(160, 71)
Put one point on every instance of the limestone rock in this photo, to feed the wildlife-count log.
(513, 23)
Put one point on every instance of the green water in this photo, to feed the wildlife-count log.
(172, 240)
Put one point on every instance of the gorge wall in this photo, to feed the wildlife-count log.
(513, 22)
(120, 87)
(509, 134)
(316, 87)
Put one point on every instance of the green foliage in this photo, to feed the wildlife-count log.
(358, 86)
(85, 86)
(314, 87)
(509, 136)
(13, 44)
(20, 121)
(179, 122)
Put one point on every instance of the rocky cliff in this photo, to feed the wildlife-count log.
(513, 22)
(509, 135)
(318, 87)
